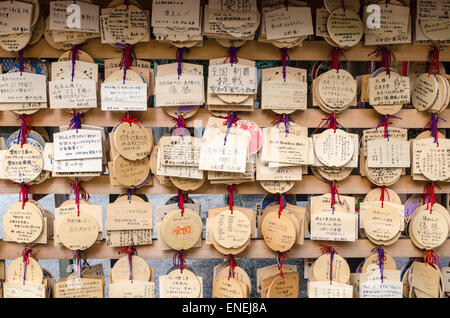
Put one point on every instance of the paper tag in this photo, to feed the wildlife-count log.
(15, 17)
(129, 216)
(25, 88)
(231, 157)
(285, 23)
(129, 237)
(84, 165)
(433, 9)
(279, 94)
(132, 289)
(337, 226)
(81, 144)
(177, 171)
(385, 289)
(327, 290)
(266, 173)
(187, 90)
(72, 95)
(79, 288)
(322, 15)
(222, 176)
(389, 90)
(279, 147)
(24, 289)
(180, 14)
(61, 16)
(232, 79)
(179, 151)
(394, 20)
(384, 153)
(124, 96)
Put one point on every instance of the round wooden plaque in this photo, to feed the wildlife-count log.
(231, 230)
(339, 145)
(23, 225)
(131, 173)
(78, 232)
(277, 186)
(120, 272)
(425, 92)
(345, 27)
(430, 230)
(227, 288)
(181, 232)
(321, 269)
(382, 223)
(132, 141)
(33, 273)
(279, 233)
(182, 284)
(127, 24)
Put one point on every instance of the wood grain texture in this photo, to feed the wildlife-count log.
(354, 184)
(156, 117)
(310, 51)
(257, 249)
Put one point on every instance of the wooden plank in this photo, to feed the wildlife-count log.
(2, 270)
(310, 51)
(354, 184)
(257, 249)
(156, 117)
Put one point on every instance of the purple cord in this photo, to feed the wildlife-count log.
(128, 56)
(179, 60)
(331, 266)
(385, 122)
(284, 118)
(21, 132)
(233, 55)
(129, 195)
(21, 61)
(131, 267)
(433, 124)
(381, 258)
(143, 183)
(74, 54)
(75, 122)
(284, 200)
(232, 117)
